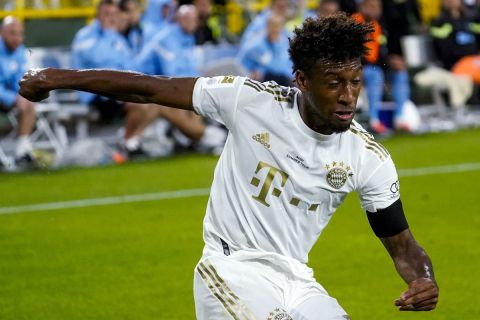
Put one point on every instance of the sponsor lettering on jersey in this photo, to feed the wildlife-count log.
(267, 184)
(298, 159)
(265, 188)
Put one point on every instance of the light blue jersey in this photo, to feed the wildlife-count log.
(265, 57)
(95, 47)
(170, 52)
(12, 67)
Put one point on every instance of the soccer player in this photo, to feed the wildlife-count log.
(291, 157)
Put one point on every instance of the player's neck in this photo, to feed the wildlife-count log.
(310, 117)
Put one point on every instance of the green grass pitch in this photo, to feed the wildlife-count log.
(136, 260)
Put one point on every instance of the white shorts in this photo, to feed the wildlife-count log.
(251, 286)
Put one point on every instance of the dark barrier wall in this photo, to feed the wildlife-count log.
(51, 32)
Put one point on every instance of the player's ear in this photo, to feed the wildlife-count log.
(302, 80)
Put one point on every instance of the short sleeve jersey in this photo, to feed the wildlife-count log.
(278, 182)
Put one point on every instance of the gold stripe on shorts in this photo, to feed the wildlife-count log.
(234, 306)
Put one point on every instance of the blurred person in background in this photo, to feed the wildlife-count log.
(378, 64)
(207, 29)
(473, 6)
(134, 32)
(266, 57)
(456, 35)
(171, 53)
(300, 12)
(258, 26)
(327, 8)
(349, 6)
(12, 66)
(157, 15)
(400, 18)
(101, 45)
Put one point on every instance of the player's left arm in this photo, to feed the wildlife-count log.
(411, 261)
(415, 267)
(380, 197)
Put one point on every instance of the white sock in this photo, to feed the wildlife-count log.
(132, 143)
(24, 146)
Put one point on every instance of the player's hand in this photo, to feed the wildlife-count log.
(422, 295)
(33, 85)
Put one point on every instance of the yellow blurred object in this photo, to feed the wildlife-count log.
(86, 13)
(259, 5)
(235, 22)
(45, 9)
(430, 9)
(312, 4)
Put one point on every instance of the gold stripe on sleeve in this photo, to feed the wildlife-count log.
(370, 143)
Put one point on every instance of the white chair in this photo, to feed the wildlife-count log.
(6, 161)
(48, 134)
(66, 102)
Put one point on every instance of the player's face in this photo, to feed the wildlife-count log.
(330, 93)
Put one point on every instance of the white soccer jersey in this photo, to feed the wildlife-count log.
(277, 182)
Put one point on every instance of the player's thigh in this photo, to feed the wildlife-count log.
(229, 289)
(315, 304)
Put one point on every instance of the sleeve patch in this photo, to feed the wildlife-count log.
(220, 82)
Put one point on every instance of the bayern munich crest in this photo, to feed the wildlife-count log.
(279, 314)
(337, 174)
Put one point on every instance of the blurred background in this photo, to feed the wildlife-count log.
(421, 75)
(102, 201)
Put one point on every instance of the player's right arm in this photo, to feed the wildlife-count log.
(118, 85)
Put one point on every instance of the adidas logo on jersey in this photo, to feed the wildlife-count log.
(263, 138)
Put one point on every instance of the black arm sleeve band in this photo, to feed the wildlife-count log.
(389, 221)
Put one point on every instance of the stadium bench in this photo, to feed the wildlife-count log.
(67, 103)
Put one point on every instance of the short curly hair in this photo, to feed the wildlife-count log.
(336, 38)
